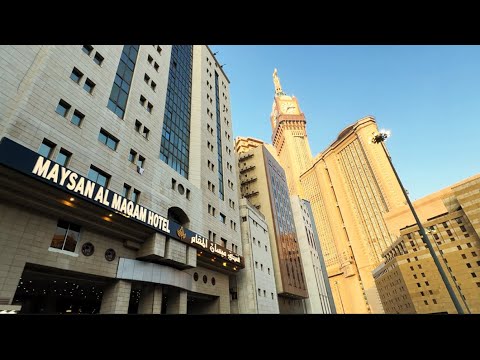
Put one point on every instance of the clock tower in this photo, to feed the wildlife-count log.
(289, 136)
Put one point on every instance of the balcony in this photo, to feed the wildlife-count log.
(247, 168)
(250, 193)
(249, 180)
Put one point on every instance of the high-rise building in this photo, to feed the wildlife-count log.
(320, 299)
(408, 280)
(263, 183)
(349, 186)
(289, 136)
(118, 180)
(256, 284)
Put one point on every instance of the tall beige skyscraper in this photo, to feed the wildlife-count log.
(289, 136)
(350, 185)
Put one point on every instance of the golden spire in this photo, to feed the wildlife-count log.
(276, 82)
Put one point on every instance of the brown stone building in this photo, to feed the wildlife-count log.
(263, 183)
(408, 280)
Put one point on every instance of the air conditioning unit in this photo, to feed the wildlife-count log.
(140, 170)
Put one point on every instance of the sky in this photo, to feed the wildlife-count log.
(427, 96)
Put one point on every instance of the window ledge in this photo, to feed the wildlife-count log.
(65, 252)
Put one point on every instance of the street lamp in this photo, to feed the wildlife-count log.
(379, 138)
(431, 231)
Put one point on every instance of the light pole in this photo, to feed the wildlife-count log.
(379, 138)
(432, 230)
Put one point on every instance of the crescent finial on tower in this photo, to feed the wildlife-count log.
(276, 82)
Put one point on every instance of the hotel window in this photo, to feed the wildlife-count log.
(256, 264)
(268, 271)
(121, 86)
(174, 149)
(224, 242)
(445, 225)
(468, 265)
(105, 138)
(46, 148)
(259, 292)
(149, 107)
(77, 118)
(87, 49)
(63, 157)
(462, 227)
(142, 100)
(459, 220)
(141, 161)
(132, 156)
(474, 275)
(464, 256)
(99, 176)
(264, 293)
(138, 125)
(149, 59)
(126, 190)
(153, 85)
(159, 50)
(135, 195)
(62, 108)
(222, 218)
(146, 78)
(88, 86)
(244, 218)
(449, 232)
(272, 296)
(146, 132)
(98, 59)
(76, 75)
(434, 301)
(66, 236)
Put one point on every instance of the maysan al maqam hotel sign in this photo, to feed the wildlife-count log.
(20, 158)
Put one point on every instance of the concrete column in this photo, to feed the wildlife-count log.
(116, 298)
(151, 299)
(177, 301)
(10, 273)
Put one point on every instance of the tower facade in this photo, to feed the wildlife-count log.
(351, 186)
(289, 136)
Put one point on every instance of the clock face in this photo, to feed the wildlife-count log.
(288, 107)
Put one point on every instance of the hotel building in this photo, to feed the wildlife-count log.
(118, 181)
